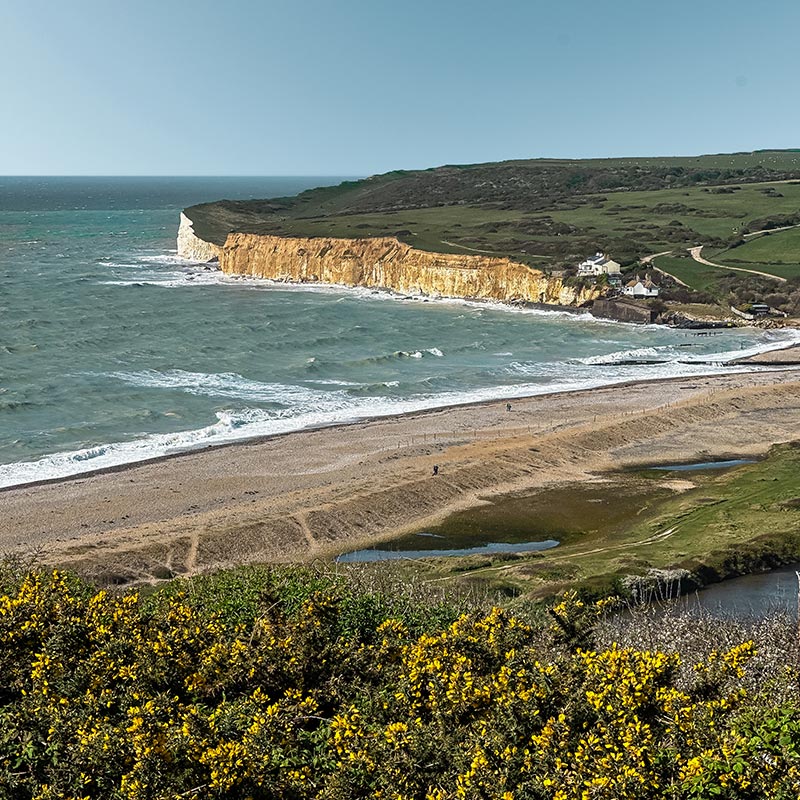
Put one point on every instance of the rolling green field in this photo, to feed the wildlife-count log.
(547, 213)
(719, 522)
(699, 276)
(644, 221)
(775, 253)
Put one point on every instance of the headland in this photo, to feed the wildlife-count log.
(521, 231)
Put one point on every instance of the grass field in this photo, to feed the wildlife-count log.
(626, 224)
(694, 274)
(711, 214)
(613, 215)
(775, 253)
(547, 213)
(728, 522)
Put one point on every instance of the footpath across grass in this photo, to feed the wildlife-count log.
(697, 276)
(774, 253)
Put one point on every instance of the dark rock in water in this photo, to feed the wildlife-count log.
(785, 356)
(633, 362)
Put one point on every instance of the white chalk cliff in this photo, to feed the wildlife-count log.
(191, 247)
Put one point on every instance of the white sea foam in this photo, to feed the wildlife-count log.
(634, 354)
(332, 382)
(232, 386)
(776, 340)
(214, 277)
(308, 409)
(169, 259)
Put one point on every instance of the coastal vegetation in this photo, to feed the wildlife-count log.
(286, 683)
(704, 525)
(520, 677)
(540, 211)
(550, 214)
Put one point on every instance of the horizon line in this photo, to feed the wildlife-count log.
(400, 169)
(154, 175)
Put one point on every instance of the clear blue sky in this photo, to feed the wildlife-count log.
(355, 87)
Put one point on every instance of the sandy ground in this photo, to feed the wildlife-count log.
(316, 493)
(784, 356)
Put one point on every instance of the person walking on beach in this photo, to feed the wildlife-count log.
(435, 469)
(508, 406)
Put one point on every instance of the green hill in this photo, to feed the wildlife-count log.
(544, 212)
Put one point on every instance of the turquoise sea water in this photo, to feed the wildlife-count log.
(113, 350)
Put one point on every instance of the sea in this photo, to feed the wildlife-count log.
(113, 350)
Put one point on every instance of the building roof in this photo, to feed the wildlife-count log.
(646, 283)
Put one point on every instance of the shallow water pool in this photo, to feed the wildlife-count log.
(376, 554)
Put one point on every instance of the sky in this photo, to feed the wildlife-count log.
(358, 87)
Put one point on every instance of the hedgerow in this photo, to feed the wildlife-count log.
(284, 684)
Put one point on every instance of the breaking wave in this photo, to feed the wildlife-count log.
(298, 408)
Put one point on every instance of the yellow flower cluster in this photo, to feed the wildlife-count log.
(317, 696)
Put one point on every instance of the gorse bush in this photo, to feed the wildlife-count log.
(284, 684)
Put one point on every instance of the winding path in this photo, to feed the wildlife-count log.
(696, 255)
(765, 231)
(464, 247)
(648, 260)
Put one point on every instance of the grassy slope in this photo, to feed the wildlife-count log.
(728, 523)
(711, 214)
(775, 253)
(543, 212)
(691, 272)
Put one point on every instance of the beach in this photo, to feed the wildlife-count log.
(313, 494)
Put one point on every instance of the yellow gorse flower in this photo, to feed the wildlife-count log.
(105, 695)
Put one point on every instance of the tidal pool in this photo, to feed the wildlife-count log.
(522, 523)
(751, 595)
(703, 465)
(488, 548)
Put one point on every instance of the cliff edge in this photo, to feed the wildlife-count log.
(387, 263)
(380, 263)
(191, 246)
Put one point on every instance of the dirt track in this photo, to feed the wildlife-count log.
(314, 493)
(695, 253)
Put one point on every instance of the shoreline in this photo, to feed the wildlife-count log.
(315, 493)
(256, 439)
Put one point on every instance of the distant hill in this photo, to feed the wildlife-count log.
(551, 213)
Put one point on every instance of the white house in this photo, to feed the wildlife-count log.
(598, 264)
(640, 288)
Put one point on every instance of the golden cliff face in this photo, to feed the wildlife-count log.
(387, 263)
